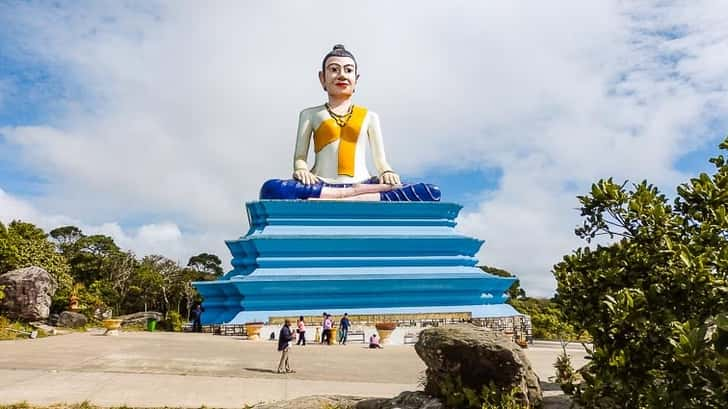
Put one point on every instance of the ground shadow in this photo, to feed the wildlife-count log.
(263, 370)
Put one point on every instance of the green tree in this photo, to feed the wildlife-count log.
(89, 257)
(24, 245)
(66, 237)
(206, 263)
(650, 297)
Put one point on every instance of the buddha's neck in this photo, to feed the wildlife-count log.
(340, 105)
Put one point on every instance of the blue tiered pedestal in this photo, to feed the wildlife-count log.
(306, 257)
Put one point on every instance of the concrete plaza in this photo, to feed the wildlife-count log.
(142, 369)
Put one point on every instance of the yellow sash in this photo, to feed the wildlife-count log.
(329, 132)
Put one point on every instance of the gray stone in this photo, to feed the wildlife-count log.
(71, 319)
(405, 400)
(312, 402)
(478, 357)
(28, 292)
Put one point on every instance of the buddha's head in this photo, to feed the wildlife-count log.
(338, 73)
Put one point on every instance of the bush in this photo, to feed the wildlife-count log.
(175, 320)
(172, 323)
(491, 396)
(655, 300)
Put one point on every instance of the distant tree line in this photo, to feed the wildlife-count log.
(100, 274)
(547, 320)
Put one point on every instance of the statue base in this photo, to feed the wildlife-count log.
(369, 258)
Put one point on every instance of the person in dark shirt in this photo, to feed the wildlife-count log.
(197, 317)
(284, 345)
(344, 325)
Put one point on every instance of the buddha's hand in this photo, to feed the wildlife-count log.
(390, 178)
(305, 176)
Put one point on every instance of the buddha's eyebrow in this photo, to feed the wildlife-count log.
(339, 65)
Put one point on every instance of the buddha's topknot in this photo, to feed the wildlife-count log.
(338, 51)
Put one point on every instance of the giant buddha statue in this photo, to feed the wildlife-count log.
(341, 132)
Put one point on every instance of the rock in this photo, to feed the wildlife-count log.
(312, 402)
(47, 329)
(477, 357)
(139, 318)
(28, 293)
(405, 400)
(71, 319)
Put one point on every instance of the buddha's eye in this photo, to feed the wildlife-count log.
(349, 70)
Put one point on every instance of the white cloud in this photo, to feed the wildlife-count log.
(186, 110)
(163, 238)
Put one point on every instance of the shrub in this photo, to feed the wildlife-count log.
(654, 300)
(175, 321)
(490, 396)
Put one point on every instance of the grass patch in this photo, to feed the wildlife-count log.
(9, 330)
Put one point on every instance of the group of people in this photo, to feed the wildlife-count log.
(327, 326)
(287, 335)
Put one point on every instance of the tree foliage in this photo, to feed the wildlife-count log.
(102, 275)
(206, 263)
(24, 245)
(654, 297)
(547, 321)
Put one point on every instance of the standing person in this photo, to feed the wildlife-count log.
(301, 330)
(328, 324)
(344, 325)
(197, 317)
(284, 345)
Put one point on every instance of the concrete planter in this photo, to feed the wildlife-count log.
(112, 326)
(252, 329)
(385, 329)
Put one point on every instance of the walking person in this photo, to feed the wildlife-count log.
(197, 317)
(301, 330)
(344, 325)
(284, 345)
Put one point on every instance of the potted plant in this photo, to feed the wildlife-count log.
(252, 329)
(385, 329)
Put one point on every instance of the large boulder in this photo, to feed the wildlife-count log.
(69, 319)
(477, 357)
(28, 293)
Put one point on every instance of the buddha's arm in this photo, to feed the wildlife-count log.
(385, 172)
(303, 140)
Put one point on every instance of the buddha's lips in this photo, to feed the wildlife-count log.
(342, 84)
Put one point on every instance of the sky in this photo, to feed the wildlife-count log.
(154, 122)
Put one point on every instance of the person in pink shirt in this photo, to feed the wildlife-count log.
(301, 330)
(374, 342)
(328, 324)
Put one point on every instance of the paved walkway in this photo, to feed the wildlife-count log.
(141, 369)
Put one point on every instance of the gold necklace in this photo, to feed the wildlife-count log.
(340, 120)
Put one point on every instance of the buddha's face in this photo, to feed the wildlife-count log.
(339, 76)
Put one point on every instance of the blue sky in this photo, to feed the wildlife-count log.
(154, 122)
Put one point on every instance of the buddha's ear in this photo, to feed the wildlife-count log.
(322, 79)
